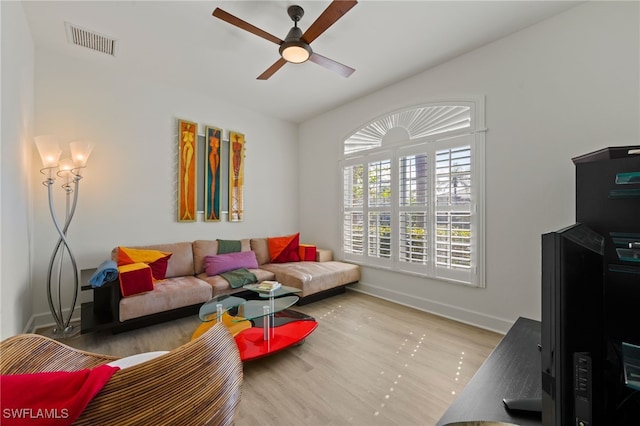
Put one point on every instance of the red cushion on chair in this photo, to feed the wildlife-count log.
(284, 249)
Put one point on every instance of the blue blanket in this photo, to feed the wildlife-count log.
(107, 271)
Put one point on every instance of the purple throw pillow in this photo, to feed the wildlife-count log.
(215, 265)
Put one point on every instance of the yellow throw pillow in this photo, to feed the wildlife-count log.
(130, 255)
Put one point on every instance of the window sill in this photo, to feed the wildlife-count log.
(415, 274)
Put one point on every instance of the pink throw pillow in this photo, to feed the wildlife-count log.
(215, 265)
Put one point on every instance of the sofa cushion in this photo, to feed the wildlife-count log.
(262, 274)
(181, 261)
(202, 248)
(260, 247)
(284, 249)
(169, 294)
(313, 277)
(214, 265)
(324, 255)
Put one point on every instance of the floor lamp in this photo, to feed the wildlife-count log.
(69, 171)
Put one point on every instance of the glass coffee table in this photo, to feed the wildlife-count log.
(260, 326)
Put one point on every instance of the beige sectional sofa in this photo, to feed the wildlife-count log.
(187, 285)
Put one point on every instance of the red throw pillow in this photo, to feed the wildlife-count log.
(156, 259)
(135, 278)
(159, 267)
(307, 252)
(284, 249)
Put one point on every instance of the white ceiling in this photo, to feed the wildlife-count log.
(180, 44)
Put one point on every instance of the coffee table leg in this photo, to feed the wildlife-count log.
(266, 322)
(219, 312)
(269, 320)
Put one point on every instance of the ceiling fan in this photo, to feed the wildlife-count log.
(295, 48)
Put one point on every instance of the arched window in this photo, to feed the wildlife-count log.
(412, 196)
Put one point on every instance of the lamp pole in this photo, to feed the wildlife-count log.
(70, 171)
(63, 327)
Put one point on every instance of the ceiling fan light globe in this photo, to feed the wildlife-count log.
(296, 53)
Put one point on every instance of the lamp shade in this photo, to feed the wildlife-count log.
(64, 168)
(296, 54)
(293, 49)
(49, 150)
(80, 151)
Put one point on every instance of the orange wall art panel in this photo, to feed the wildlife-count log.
(236, 176)
(187, 149)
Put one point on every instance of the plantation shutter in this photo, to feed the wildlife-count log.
(353, 211)
(413, 209)
(453, 209)
(380, 204)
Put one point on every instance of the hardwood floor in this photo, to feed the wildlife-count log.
(369, 362)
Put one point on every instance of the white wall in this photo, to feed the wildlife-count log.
(128, 193)
(561, 88)
(15, 170)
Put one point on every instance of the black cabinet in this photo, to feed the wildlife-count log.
(512, 371)
(99, 314)
(608, 202)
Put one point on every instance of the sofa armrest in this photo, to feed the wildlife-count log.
(324, 255)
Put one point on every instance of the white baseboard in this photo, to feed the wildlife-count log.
(44, 320)
(477, 319)
(29, 327)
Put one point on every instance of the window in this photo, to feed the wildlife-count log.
(412, 192)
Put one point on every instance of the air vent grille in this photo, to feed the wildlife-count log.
(91, 39)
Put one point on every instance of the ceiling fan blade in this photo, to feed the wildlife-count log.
(272, 69)
(331, 14)
(227, 17)
(332, 65)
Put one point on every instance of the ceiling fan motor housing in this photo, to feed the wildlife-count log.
(295, 12)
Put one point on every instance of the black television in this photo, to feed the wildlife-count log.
(572, 334)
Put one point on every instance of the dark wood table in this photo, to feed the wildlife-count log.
(513, 370)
